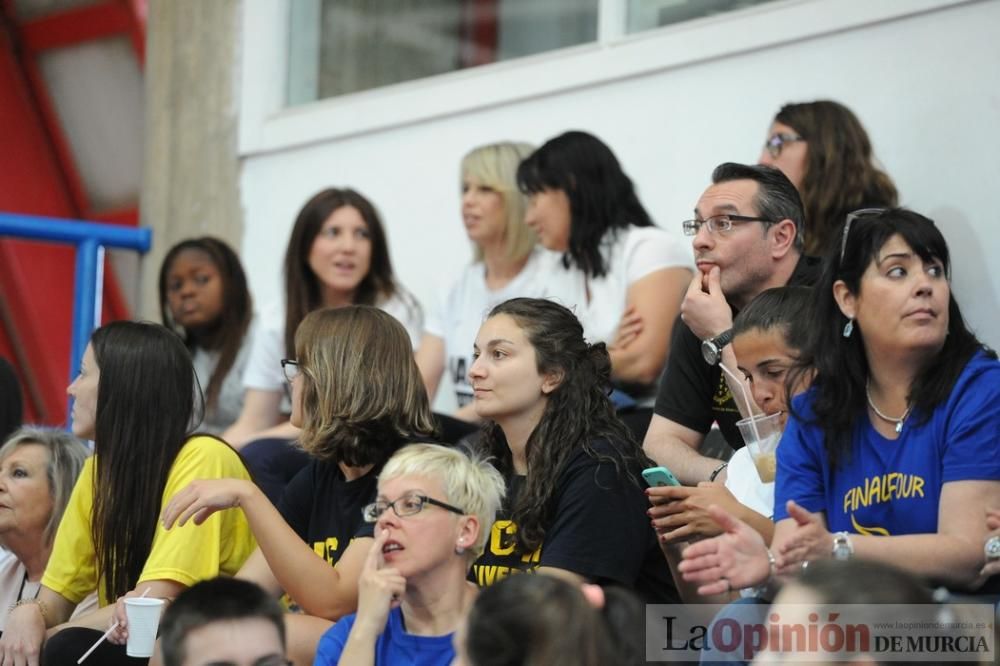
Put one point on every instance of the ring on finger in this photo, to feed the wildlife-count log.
(992, 548)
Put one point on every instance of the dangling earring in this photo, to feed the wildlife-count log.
(459, 548)
(849, 327)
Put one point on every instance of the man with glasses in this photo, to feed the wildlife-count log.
(223, 622)
(747, 231)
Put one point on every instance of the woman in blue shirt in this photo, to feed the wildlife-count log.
(894, 454)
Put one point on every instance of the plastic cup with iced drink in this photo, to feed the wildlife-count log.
(762, 434)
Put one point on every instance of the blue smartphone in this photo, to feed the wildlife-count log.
(659, 476)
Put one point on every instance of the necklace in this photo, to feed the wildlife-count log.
(871, 403)
(24, 581)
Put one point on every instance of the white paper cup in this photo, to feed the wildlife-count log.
(143, 619)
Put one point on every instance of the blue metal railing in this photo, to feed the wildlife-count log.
(90, 240)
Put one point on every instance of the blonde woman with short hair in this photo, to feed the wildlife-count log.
(507, 263)
(432, 518)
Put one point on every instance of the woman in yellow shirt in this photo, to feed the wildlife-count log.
(135, 398)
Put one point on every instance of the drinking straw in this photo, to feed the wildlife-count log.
(746, 399)
(107, 633)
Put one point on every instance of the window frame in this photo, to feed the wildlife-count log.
(268, 125)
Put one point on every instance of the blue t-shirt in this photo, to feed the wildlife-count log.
(394, 646)
(890, 487)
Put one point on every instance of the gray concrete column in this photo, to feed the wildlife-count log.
(191, 169)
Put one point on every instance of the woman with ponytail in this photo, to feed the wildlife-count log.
(575, 504)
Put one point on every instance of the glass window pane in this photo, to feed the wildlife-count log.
(29, 9)
(97, 91)
(647, 14)
(344, 46)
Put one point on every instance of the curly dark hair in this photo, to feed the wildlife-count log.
(601, 196)
(578, 413)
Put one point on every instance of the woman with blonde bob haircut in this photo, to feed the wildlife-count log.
(507, 264)
(432, 518)
(38, 469)
(357, 395)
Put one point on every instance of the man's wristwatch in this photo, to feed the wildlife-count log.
(842, 547)
(711, 349)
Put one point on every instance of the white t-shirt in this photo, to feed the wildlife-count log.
(264, 367)
(629, 254)
(744, 483)
(230, 400)
(468, 300)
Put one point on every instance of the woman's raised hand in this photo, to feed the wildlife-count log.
(735, 559)
(379, 588)
(201, 498)
(810, 541)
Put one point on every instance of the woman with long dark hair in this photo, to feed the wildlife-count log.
(205, 298)
(825, 151)
(575, 502)
(135, 398)
(623, 276)
(337, 255)
(894, 453)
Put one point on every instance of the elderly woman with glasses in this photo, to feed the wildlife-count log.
(825, 151)
(432, 518)
(894, 453)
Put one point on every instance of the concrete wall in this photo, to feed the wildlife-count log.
(921, 75)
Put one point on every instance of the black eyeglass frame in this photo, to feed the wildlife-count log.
(691, 227)
(367, 511)
(776, 143)
(285, 362)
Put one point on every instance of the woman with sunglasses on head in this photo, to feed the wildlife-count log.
(893, 454)
(575, 503)
(358, 397)
(623, 276)
(135, 398)
(432, 518)
(825, 151)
